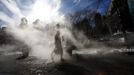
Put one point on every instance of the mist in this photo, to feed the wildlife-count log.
(40, 37)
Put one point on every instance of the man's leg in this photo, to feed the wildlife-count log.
(52, 56)
(61, 56)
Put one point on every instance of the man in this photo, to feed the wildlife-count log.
(58, 50)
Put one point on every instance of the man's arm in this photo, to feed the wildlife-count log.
(62, 38)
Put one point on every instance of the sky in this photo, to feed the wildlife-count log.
(66, 6)
(71, 6)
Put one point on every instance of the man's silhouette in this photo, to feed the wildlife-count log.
(58, 50)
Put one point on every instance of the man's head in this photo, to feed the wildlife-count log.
(58, 26)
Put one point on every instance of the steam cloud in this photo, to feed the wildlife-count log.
(40, 37)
